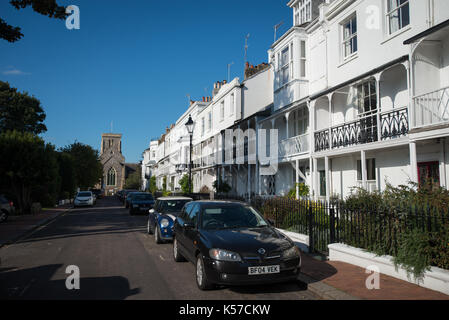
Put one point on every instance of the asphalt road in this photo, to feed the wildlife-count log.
(116, 260)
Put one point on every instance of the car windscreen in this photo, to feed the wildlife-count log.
(230, 216)
(84, 194)
(142, 197)
(172, 205)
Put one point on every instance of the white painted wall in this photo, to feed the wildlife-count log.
(257, 93)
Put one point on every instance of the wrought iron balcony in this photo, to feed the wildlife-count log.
(294, 145)
(393, 124)
(431, 108)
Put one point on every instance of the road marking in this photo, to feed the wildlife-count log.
(162, 258)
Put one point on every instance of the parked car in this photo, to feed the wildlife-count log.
(161, 219)
(232, 244)
(140, 202)
(98, 193)
(6, 208)
(84, 198)
(129, 194)
(126, 195)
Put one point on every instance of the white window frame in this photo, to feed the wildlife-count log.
(303, 59)
(284, 66)
(222, 111)
(302, 12)
(202, 126)
(232, 104)
(209, 121)
(350, 38)
(390, 12)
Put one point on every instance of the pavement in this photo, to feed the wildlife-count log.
(335, 280)
(19, 226)
(119, 260)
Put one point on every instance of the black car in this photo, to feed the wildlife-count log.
(127, 197)
(162, 218)
(98, 193)
(232, 244)
(140, 202)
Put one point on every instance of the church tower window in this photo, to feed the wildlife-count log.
(112, 177)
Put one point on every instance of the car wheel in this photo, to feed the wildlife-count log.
(201, 277)
(176, 255)
(149, 231)
(3, 216)
(157, 236)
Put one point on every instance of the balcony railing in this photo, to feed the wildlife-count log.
(293, 146)
(431, 108)
(393, 124)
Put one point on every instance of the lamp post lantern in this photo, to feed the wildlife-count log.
(189, 126)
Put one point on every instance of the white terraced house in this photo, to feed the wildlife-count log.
(378, 94)
(358, 91)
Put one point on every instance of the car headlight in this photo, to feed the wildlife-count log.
(224, 255)
(165, 223)
(291, 253)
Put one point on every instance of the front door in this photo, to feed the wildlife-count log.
(429, 173)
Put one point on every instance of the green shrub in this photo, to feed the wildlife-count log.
(304, 191)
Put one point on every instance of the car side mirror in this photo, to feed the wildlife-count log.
(271, 222)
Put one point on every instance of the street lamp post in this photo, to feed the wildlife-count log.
(189, 126)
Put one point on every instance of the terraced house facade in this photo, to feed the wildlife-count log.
(357, 91)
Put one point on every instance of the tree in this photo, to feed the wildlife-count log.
(28, 166)
(134, 181)
(184, 183)
(152, 187)
(221, 186)
(88, 168)
(67, 174)
(47, 8)
(19, 111)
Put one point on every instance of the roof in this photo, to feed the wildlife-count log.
(174, 198)
(427, 32)
(220, 201)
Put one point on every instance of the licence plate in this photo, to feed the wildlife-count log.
(263, 270)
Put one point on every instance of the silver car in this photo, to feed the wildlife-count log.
(84, 199)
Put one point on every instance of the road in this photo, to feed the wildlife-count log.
(116, 260)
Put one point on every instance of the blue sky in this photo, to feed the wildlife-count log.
(132, 62)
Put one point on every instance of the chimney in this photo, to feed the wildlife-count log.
(224, 82)
(204, 99)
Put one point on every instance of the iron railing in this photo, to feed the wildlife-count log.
(294, 145)
(393, 124)
(361, 131)
(372, 228)
(431, 108)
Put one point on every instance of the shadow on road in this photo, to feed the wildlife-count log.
(108, 218)
(23, 285)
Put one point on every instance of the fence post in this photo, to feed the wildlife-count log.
(310, 221)
(332, 225)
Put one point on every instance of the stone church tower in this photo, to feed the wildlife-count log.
(113, 163)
